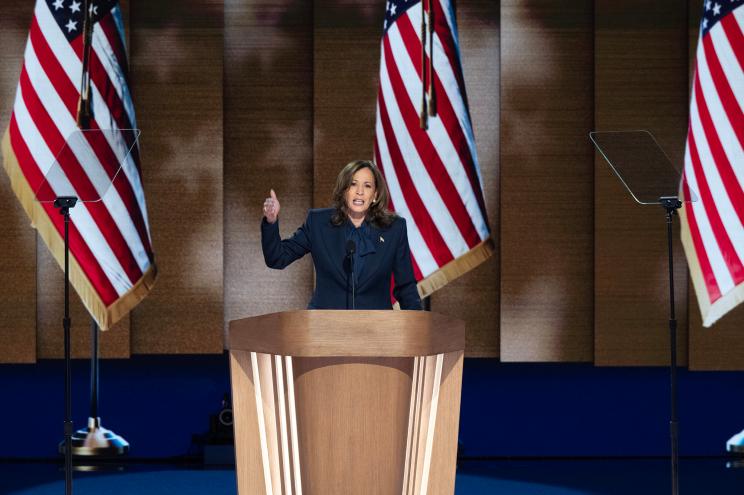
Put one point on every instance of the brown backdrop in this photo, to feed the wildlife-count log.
(546, 181)
(236, 97)
(641, 83)
(18, 244)
(268, 126)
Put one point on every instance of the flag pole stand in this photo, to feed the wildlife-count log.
(64, 203)
(735, 449)
(671, 205)
(95, 440)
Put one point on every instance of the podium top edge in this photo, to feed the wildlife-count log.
(324, 333)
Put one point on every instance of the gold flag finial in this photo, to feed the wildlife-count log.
(85, 111)
(432, 91)
(424, 114)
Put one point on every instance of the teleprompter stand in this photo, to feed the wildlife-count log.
(77, 183)
(646, 172)
(63, 204)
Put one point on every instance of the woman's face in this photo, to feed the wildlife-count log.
(361, 192)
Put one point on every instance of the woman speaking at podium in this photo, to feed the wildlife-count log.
(356, 245)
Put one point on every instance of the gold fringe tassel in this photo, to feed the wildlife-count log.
(457, 267)
(105, 316)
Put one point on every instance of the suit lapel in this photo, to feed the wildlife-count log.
(372, 260)
(333, 238)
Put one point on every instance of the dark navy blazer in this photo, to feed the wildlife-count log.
(327, 243)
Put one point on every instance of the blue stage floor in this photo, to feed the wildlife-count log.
(522, 477)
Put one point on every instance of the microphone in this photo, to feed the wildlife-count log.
(350, 247)
(350, 250)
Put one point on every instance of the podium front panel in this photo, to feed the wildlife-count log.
(340, 425)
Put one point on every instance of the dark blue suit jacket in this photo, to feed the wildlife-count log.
(327, 244)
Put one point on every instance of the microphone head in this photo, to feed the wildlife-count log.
(350, 247)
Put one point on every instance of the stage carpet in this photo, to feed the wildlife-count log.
(513, 477)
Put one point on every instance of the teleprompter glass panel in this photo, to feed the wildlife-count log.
(641, 165)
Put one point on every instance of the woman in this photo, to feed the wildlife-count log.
(357, 245)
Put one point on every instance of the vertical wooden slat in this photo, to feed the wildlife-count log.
(546, 180)
(640, 83)
(474, 297)
(720, 347)
(176, 65)
(444, 458)
(268, 144)
(18, 242)
(379, 389)
(249, 463)
(348, 36)
(346, 39)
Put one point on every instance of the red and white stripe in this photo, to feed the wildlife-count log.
(433, 174)
(109, 239)
(713, 226)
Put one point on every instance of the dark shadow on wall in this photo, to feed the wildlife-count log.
(547, 177)
(268, 138)
(176, 73)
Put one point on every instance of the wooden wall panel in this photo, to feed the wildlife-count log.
(18, 242)
(474, 297)
(641, 83)
(720, 347)
(346, 64)
(238, 98)
(176, 66)
(546, 180)
(268, 132)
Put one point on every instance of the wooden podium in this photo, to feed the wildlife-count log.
(346, 402)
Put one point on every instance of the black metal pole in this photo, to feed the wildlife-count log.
(95, 440)
(673, 422)
(94, 369)
(64, 203)
(68, 379)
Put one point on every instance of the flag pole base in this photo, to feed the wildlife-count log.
(735, 444)
(96, 441)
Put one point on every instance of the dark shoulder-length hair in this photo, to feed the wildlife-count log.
(378, 213)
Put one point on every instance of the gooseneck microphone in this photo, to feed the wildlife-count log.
(350, 250)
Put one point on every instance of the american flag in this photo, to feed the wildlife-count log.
(111, 259)
(424, 143)
(713, 226)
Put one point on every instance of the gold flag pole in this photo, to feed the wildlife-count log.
(423, 116)
(94, 440)
(84, 111)
(432, 92)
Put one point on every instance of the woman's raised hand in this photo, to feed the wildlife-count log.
(271, 208)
